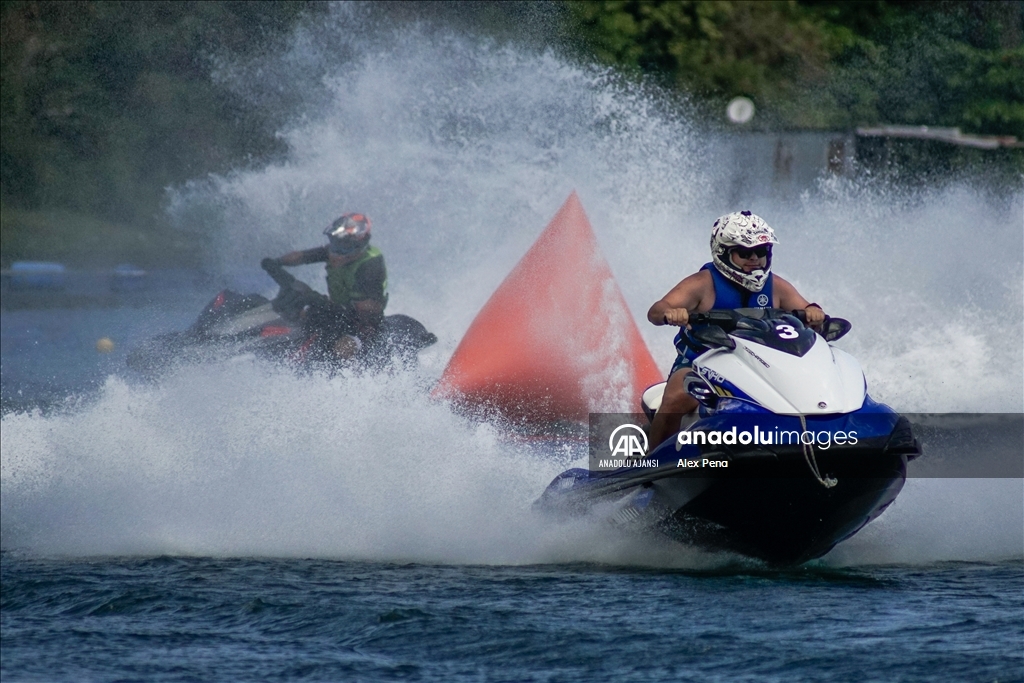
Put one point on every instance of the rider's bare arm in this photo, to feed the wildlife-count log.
(300, 258)
(695, 293)
(786, 297)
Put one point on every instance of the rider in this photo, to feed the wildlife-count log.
(739, 276)
(357, 280)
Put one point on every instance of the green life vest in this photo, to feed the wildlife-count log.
(341, 281)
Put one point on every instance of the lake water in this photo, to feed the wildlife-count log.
(244, 619)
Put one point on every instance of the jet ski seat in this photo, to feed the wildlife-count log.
(650, 401)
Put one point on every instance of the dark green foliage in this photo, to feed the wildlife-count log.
(828, 64)
(711, 48)
(105, 104)
(940, 64)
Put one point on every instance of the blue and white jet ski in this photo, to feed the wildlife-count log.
(786, 457)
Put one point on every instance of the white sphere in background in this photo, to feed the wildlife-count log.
(740, 110)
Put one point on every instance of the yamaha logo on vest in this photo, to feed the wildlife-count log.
(762, 300)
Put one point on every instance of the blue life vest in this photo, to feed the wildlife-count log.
(728, 295)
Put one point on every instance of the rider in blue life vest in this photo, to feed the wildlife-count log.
(357, 280)
(739, 276)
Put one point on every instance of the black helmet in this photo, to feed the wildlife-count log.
(348, 234)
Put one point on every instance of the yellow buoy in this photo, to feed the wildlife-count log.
(104, 345)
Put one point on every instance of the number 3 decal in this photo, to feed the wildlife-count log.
(786, 332)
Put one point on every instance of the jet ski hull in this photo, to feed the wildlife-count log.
(765, 502)
(788, 517)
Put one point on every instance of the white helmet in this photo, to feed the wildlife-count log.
(745, 230)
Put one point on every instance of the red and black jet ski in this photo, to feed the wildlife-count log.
(299, 326)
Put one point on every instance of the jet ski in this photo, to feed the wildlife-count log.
(299, 326)
(786, 457)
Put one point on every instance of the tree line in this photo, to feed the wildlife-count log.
(106, 103)
(826, 64)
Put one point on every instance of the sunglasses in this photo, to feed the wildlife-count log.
(759, 252)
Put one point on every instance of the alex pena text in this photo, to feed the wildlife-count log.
(702, 463)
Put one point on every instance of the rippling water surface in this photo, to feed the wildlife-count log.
(182, 619)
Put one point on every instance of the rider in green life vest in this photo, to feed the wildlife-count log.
(357, 280)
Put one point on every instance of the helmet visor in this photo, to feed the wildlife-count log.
(348, 234)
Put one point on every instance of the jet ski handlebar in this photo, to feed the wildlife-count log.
(831, 328)
(728, 318)
(294, 294)
(277, 273)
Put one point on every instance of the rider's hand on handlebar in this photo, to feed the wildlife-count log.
(814, 315)
(291, 301)
(676, 316)
(288, 302)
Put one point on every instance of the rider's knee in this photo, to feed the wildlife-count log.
(675, 397)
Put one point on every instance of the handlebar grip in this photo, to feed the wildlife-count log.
(698, 319)
(714, 317)
(278, 274)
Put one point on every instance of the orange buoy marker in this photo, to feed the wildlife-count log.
(556, 341)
